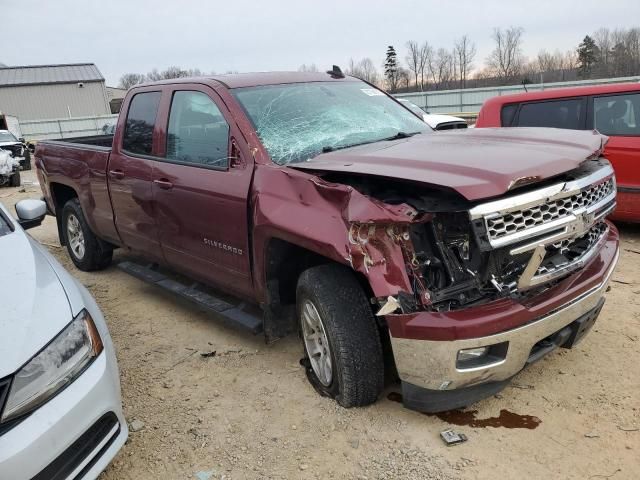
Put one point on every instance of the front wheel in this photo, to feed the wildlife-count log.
(27, 160)
(342, 347)
(14, 180)
(85, 249)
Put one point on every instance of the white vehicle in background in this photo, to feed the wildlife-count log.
(9, 170)
(437, 122)
(16, 148)
(60, 407)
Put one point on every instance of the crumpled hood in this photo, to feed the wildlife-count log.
(477, 163)
(33, 303)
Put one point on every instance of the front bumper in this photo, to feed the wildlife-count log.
(46, 443)
(431, 363)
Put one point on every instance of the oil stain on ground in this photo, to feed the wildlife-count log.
(506, 419)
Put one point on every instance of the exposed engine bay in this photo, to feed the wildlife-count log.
(459, 257)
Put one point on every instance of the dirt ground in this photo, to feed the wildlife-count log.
(248, 411)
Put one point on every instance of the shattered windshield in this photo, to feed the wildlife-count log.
(298, 121)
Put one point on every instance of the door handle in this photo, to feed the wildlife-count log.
(164, 184)
(116, 174)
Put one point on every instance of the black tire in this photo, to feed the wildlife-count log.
(357, 363)
(14, 180)
(95, 254)
(27, 160)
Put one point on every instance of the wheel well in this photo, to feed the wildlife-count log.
(60, 195)
(284, 264)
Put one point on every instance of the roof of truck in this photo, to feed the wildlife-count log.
(254, 79)
(564, 93)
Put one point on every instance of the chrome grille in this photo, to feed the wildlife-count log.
(572, 250)
(519, 220)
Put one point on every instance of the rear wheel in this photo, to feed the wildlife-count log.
(85, 249)
(342, 348)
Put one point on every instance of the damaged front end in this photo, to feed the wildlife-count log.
(457, 254)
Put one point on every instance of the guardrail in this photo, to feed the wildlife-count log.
(468, 101)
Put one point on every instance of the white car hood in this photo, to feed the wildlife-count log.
(33, 303)
(4, 144)
(433, 119)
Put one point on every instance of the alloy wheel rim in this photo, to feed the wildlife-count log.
(75, 237)
(316, 343)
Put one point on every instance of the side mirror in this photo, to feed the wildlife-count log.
(31, 212)
(22, 140)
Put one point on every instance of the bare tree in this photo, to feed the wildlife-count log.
(128, 80)
(506, 60)
(426, 52)
(363, 69)
(173, 72)
(464, 54)
(605, 44)
(548, 62)
(403, 77)
(308, 68)
(368, 71)
(413, 59)
(441, 68)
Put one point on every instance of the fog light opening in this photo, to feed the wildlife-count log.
(481, 356)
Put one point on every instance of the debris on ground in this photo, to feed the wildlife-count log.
(521, 386)
(205, 475)
(136, 425)
(451, 437)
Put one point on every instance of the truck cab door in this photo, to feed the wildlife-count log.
(200, 189)
(618, 117)
(130, 173)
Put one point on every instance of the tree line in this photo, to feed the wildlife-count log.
(423, 66)
(605, 53)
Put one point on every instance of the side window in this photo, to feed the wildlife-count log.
(138, 130)
(556, 114)
(617, 114)
(507, 114)
(198, 133)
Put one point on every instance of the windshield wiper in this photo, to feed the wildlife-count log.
(400, 135)
(397, 136)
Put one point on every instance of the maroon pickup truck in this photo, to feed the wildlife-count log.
(453, 259)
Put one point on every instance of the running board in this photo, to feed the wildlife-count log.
(234, 315)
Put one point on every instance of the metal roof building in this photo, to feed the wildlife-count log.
(38, 92)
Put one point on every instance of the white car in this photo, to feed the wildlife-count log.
(437, 122)
(60, 406)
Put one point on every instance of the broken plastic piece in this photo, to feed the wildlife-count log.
(453, 438)
(390, 306)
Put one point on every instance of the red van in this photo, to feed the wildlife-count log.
(613, 110)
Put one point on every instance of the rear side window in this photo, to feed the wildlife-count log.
(507, 114)
(141, 118)
(198, 133)
(556, 114)
(617, 114)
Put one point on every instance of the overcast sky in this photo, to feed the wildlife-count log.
(122, 36)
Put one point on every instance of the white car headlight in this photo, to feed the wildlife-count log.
(57, 365)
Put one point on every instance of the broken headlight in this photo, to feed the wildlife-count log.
(56, 366)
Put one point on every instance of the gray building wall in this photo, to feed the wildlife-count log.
(57, 100)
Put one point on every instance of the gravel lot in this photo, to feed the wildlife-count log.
(248, 411)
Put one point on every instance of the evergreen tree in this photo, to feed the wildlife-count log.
(587, 56)
(391, 68)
